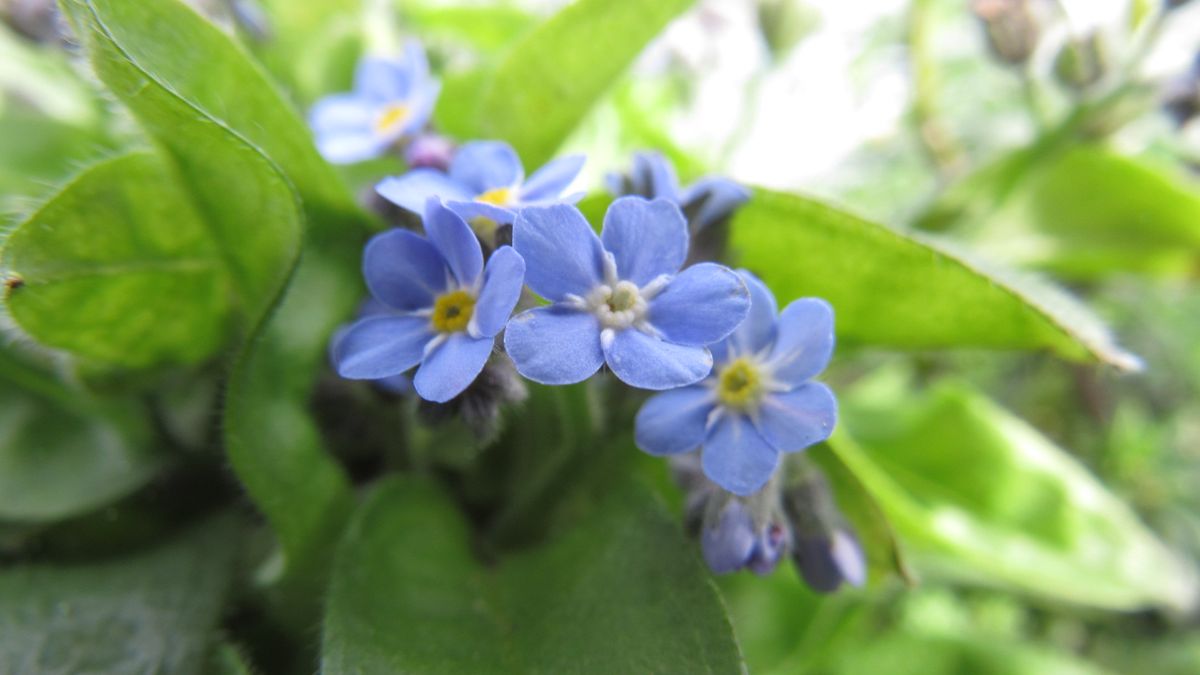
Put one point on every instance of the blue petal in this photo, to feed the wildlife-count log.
(757, 332)
(381, 80)
(647, 238)
(825, 562)
(421, 105)
(737, 457)
(674, 421)
(404, 270)
(381, 346)
(728, 543)
(452, 367)
(453, 238)
(721, 197)
(803, 342)
(648, 362)
(562, 254)
(700, 306)
(796, 419)
(342, 112)
(412, 189)
(554, 345)
(468, 211)
(502, 282)
(548, 182)
(654, 177)
(486, 165)
(348, 147)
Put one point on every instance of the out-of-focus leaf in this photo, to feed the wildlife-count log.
(622, 592)
(897, 289)
(61, 452)
(240, 150)
(488, 28)
(977, 493)
(151, 612)
(119, 268)
(554, 76)
(312, 45)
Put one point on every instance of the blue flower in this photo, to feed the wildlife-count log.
(485, 180)
(758, 402)
(705, 202)
(619, 298)
(391, 99)
(446, 306)
(731, 542)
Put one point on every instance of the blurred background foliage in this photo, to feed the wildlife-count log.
(1030, 510)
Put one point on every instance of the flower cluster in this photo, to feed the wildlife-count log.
(733, 375)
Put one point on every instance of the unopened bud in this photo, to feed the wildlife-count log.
(429, 151)
(1081, 63)
(825, 548)
(1011, 28)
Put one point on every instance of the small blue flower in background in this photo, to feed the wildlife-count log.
(445, 306)
(732, 542)
(391, 99)
(485, 180)
(758, 402)
(705, 202)
(619, 298)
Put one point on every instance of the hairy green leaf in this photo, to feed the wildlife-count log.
(898, 289)
(623, 592)
(554, 75)
(119, 268)
(150, 612)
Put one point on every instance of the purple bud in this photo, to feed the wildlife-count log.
(825, 551)
(430, 151)
(729, 542)
(773, 542)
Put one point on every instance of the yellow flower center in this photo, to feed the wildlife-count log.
(392, 116)
(452, 311)
(739, 385)
(497, 197)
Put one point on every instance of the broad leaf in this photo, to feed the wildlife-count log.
(897, 289)
(61, 452)
(622, 592)
(554, 76)
(119, 268)
(150, 612)
(979, 494)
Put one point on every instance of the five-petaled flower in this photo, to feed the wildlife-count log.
(705, 202)
(392, 99)
(447, 306)
(485, 181)
(619, 298)
(758, 402)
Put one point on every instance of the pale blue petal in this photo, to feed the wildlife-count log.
(451, 367)
(502, 282)
(562, 254)
(453, 238)
(647, 238)
(422, 107)
(342, 112)
(472, 210)
(736, 457)
(674, 421)
(486, 165)
(757, 332)
(803, 342)
(716, 197)
(411, 190)
(796, 419)
(653, 176)
(702, 305)
(728, 543)
(381, 80)
(553, 345)
(647, 362)
(404, 270)
(343, 147)
(381, 346)
(548, 182)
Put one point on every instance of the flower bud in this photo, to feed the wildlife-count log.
(1011, 28)
(1081, 63)
(728, 540)
(429, 151)
(825, 548)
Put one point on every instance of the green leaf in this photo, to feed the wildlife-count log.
(896, 289)
(224, 124)
(119, 268)
(150, 612)
(977, 493)
(554, 76)
(312, 45)
(622, 592)
(62, 453)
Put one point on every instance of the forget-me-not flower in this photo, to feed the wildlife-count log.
(447, 307)
(619, 298)
(485, 180)
(758, 402)
(705, 202)
(391, 99)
